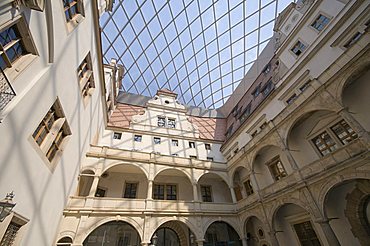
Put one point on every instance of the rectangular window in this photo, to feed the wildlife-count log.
(306, 234)
(209, 158)
(138, 138)
(344, 132)
(304, 86)
(291, 99)
(130, 190)
(72, 8)
(193, 157)
(171, 123)
(52, 130)
(298, 48)
(164, 192)
(161, 121)
(229, 130)
(86, 77)
(192, 145)
(267, 88)
(277, 169)
(256, 91)
(320, 22)
(207, 146)
(175, 142)
(206, 193)
(267, 69)
(324, 143)
(117, 135)
(157, 140)
(175, 154)
(100, 192)
(353, 40)
(248, 187)
(246, 113)
(15, 42)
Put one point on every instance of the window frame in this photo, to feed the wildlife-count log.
(174, 142)
(302, 51)
(210, 196)
(77, 18)
(138, 138)
(171, 125)
(165, 193)
(280, 175)
(191, 145)
(248, 188)
(207, 146)
(157, 140)
(117, 135)
(352, 137)
(159, 123)
(317, 17)
(316, 147)
(85, 76)
(101, 189)
(130, 184)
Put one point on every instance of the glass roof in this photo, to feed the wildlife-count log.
(200, 49)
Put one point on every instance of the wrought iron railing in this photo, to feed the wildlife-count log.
(6, 90)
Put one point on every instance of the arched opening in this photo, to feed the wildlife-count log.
(123, 181)
(112, 234)
(355, 97)
(316, 134)
(85, 182)
(173, 233)
(242, 183)
(295, 226)
(64, 241)
(221, 233)
(347, 205)
(270, 164)
(255, 232)
(213, 188)
(172, 184)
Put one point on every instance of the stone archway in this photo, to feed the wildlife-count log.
(173, 233)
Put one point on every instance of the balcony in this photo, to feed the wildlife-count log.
(6, 90)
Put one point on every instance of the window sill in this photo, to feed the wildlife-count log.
(72, 24)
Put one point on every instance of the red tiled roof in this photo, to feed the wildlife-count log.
(123, 113)
(210, 128)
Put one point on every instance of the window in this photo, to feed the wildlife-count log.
(277, 169)
(138, 138)
(256, 91)
(193, 157)
(117, 135)
(175, 154)
(344, 132)
(246, 113)
(229, 130)
(171, 123)
(51, 132)
(165, 192)
(320, 22)
(65, 241)
(353, 40)
(15, 42)
(324, 143)
(72, 8)
(207, 146)
(267, 88)
(100, 192)
(175, 142)
(291, 99)
(304, 86)
(298, 48)
(130, 190)
(248, 187)
(161, 121)
(85, 75)
(192, 145)
(206, 193)
(267, 69)
(157, 140)
(306, 234)
(209, 158)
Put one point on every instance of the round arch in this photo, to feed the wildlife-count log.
(88, 170)
(127, 220)
(335, 181)
(182, 220)
(255, 230)
(230, 222)
(164, 169)
(126, 164)
(222, 176)
(235, 170)
(261, 149)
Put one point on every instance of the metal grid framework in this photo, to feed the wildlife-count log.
(199, 49)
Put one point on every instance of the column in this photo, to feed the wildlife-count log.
(94, 186)
(328, 232)
(233, 197)
(195, 193)
(200, 242)
(150, 189)
(357, 127)
(244, 241)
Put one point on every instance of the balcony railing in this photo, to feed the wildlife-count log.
(6, 90)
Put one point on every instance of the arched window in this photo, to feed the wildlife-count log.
(221, 233)
(65, 241)
(165, 237)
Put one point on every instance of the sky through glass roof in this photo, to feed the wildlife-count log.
(200, 49)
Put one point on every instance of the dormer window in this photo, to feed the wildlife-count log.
(298, 48)
(171, 123)
(162, 121)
